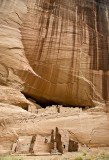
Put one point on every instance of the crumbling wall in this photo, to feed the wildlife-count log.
(73, 146)
(42, 145)
(23, 145)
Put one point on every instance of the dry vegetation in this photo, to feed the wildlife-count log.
(68, 156)
(11, 158)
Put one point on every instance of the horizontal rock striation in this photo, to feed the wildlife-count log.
(56, 51)
(16, 122)
(13, 97)
(12, 55)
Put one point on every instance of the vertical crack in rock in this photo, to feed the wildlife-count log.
(62, 40)
(65, 42)
(103, 59)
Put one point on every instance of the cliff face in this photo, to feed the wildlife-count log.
(64, 42)
(12, 56)
(54, 51)
(89, 128)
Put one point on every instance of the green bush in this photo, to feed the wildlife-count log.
(84, 154)
(103, 157)
(78, 158)
(10, 158)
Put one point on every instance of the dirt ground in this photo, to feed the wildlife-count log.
(91, 154)
(66, 156)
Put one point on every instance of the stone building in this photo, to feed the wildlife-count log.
(42, 145)
(22, 145)
(33, 107)
(64, 144)
(57, 142)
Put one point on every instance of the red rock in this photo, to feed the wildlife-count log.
(56, 52)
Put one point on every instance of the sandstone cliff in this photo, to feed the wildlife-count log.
(54, 51)
(64, 42)
(90, 128)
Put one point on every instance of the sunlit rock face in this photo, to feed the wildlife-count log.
(13, 97)
(57, 52)
(89, 128)
(12, 55)
(65, 42)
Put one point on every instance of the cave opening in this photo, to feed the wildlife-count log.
(48, 103)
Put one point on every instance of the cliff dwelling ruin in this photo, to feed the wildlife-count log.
(56, 143)
(54, 76)
(34, 107)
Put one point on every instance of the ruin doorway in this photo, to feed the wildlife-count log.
(73, 146)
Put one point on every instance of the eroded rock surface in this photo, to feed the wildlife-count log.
(64, 42)
(12, 55)
(54, 51)
(90, 128)
(12, 96)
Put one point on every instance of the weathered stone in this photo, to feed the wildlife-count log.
(73, 146)
(67, 46)
(12, 55)
(56, 52)
(23, 145)
(33, 107)
(64, 42)
(90, 128)
(13, 96)
(42, 145)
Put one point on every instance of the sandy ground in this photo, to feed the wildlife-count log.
(85, 154)
(66, 156)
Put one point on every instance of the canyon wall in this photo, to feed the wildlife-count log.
(56, 51)
(66, 44)
(87, 128)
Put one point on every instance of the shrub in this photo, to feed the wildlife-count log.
(78, 158)
(103, 157)
(84, 154)
(10, 158)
